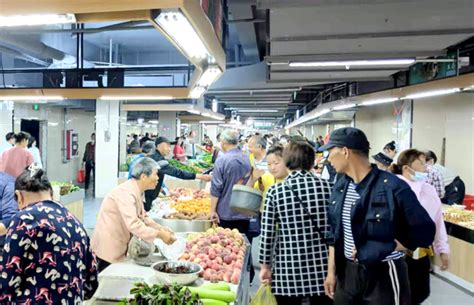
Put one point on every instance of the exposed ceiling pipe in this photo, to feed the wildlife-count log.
(125, 26)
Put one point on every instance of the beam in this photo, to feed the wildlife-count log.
(340, 69)
(156, 107)
(330, 80)
(374, 35)
(95, 93)
(113, 16)
(28, 7)
(284, 59)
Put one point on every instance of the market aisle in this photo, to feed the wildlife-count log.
(442, 293)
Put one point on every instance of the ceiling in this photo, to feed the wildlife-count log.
(264, 36)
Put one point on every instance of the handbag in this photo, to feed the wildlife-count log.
(312, 217)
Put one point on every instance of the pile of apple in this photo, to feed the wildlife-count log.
(220, 252)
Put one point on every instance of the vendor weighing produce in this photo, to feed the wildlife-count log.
(122, 216)
(163, 149)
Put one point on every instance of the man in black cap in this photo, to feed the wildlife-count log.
(374, 217)
(163, 149)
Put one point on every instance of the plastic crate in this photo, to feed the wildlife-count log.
(469, 202)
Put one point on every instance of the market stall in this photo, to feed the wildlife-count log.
(460, 227)
(71, 196)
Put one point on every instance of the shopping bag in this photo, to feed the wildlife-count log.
(81, 176)
(264, 296)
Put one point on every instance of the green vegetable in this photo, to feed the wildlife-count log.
(175, 294)
(181, 166)
(212, 302)
(124, 167)
(226, 296)
(216, 286)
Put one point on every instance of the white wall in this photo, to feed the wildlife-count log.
(78, 120)
(6, 125)
(450, 117)
(377, 122)
(107, 149)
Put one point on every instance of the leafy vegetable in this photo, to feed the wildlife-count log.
(184, 167)
(175, 294)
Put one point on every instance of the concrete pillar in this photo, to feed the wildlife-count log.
(6, 115)
(167, 124)
(123, 137)
(107, 143)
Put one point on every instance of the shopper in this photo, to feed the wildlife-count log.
(390, 149)
(190, 145)
(9, 142)
(435, 178)
(294, 225)
(8, 204)
(145, 139)
(454, 187)
(230, 169)
(147, 150)
(33, 149)
(16, 159)
(162, 150)
(88, 161)
(135, 144)
(410, 167)
(373, 216)
(178, 151)
(122, 215)
(258, 151)
(382, 161)
(47, 258)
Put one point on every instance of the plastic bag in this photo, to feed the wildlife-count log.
(81, 176)
(264, 296)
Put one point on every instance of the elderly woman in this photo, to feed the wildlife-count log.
(294, 262)
(123, 215)
(47, 258)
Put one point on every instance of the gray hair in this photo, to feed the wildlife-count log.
(230, 136)
(148, 147)
(144, 166)
(259, 140)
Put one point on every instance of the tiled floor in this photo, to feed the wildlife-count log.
(442, 293)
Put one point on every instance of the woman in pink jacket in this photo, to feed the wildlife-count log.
(411, 168)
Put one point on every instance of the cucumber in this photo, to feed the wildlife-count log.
(216, 286)
(212, 302)
(226, 296)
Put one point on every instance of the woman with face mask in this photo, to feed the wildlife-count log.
(411, 168)
(47, 258)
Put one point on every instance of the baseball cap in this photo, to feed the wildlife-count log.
(160, 140)
(383, 158)
(349, 137)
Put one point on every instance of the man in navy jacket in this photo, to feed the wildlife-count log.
(374, 216)
(8, 205)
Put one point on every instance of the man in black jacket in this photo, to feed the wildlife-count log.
(374, 216)
(163, 149)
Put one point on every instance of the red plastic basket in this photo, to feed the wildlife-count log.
(469, 202)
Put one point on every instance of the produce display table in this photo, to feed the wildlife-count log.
(117, 279)
(74, 202)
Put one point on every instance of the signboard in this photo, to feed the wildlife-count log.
(427, 71)
(215, 12)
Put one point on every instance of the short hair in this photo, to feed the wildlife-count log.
(144, 166)
(22, 135)
(9, 136)
(230, 136)
(135, 136)
(33, 179)
(362, 153)
(148, 147)
(276, 149)
(259, 140)
(299, 155)
(430, 155)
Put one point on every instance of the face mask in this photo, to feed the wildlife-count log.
(418, 176)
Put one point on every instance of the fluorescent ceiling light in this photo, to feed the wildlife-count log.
(140, 120)
(29, 98)
(212, 122)
(256, 90)
(154, 122)
(135, 98)
(178, 27)
(209, 76)
(257, 110)
(197, 92)
(214, 105)
(40, 19)
(346, 63)
(431, 93)
(194, 111)
(379, 101)
(470, 88)
(342, 107)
